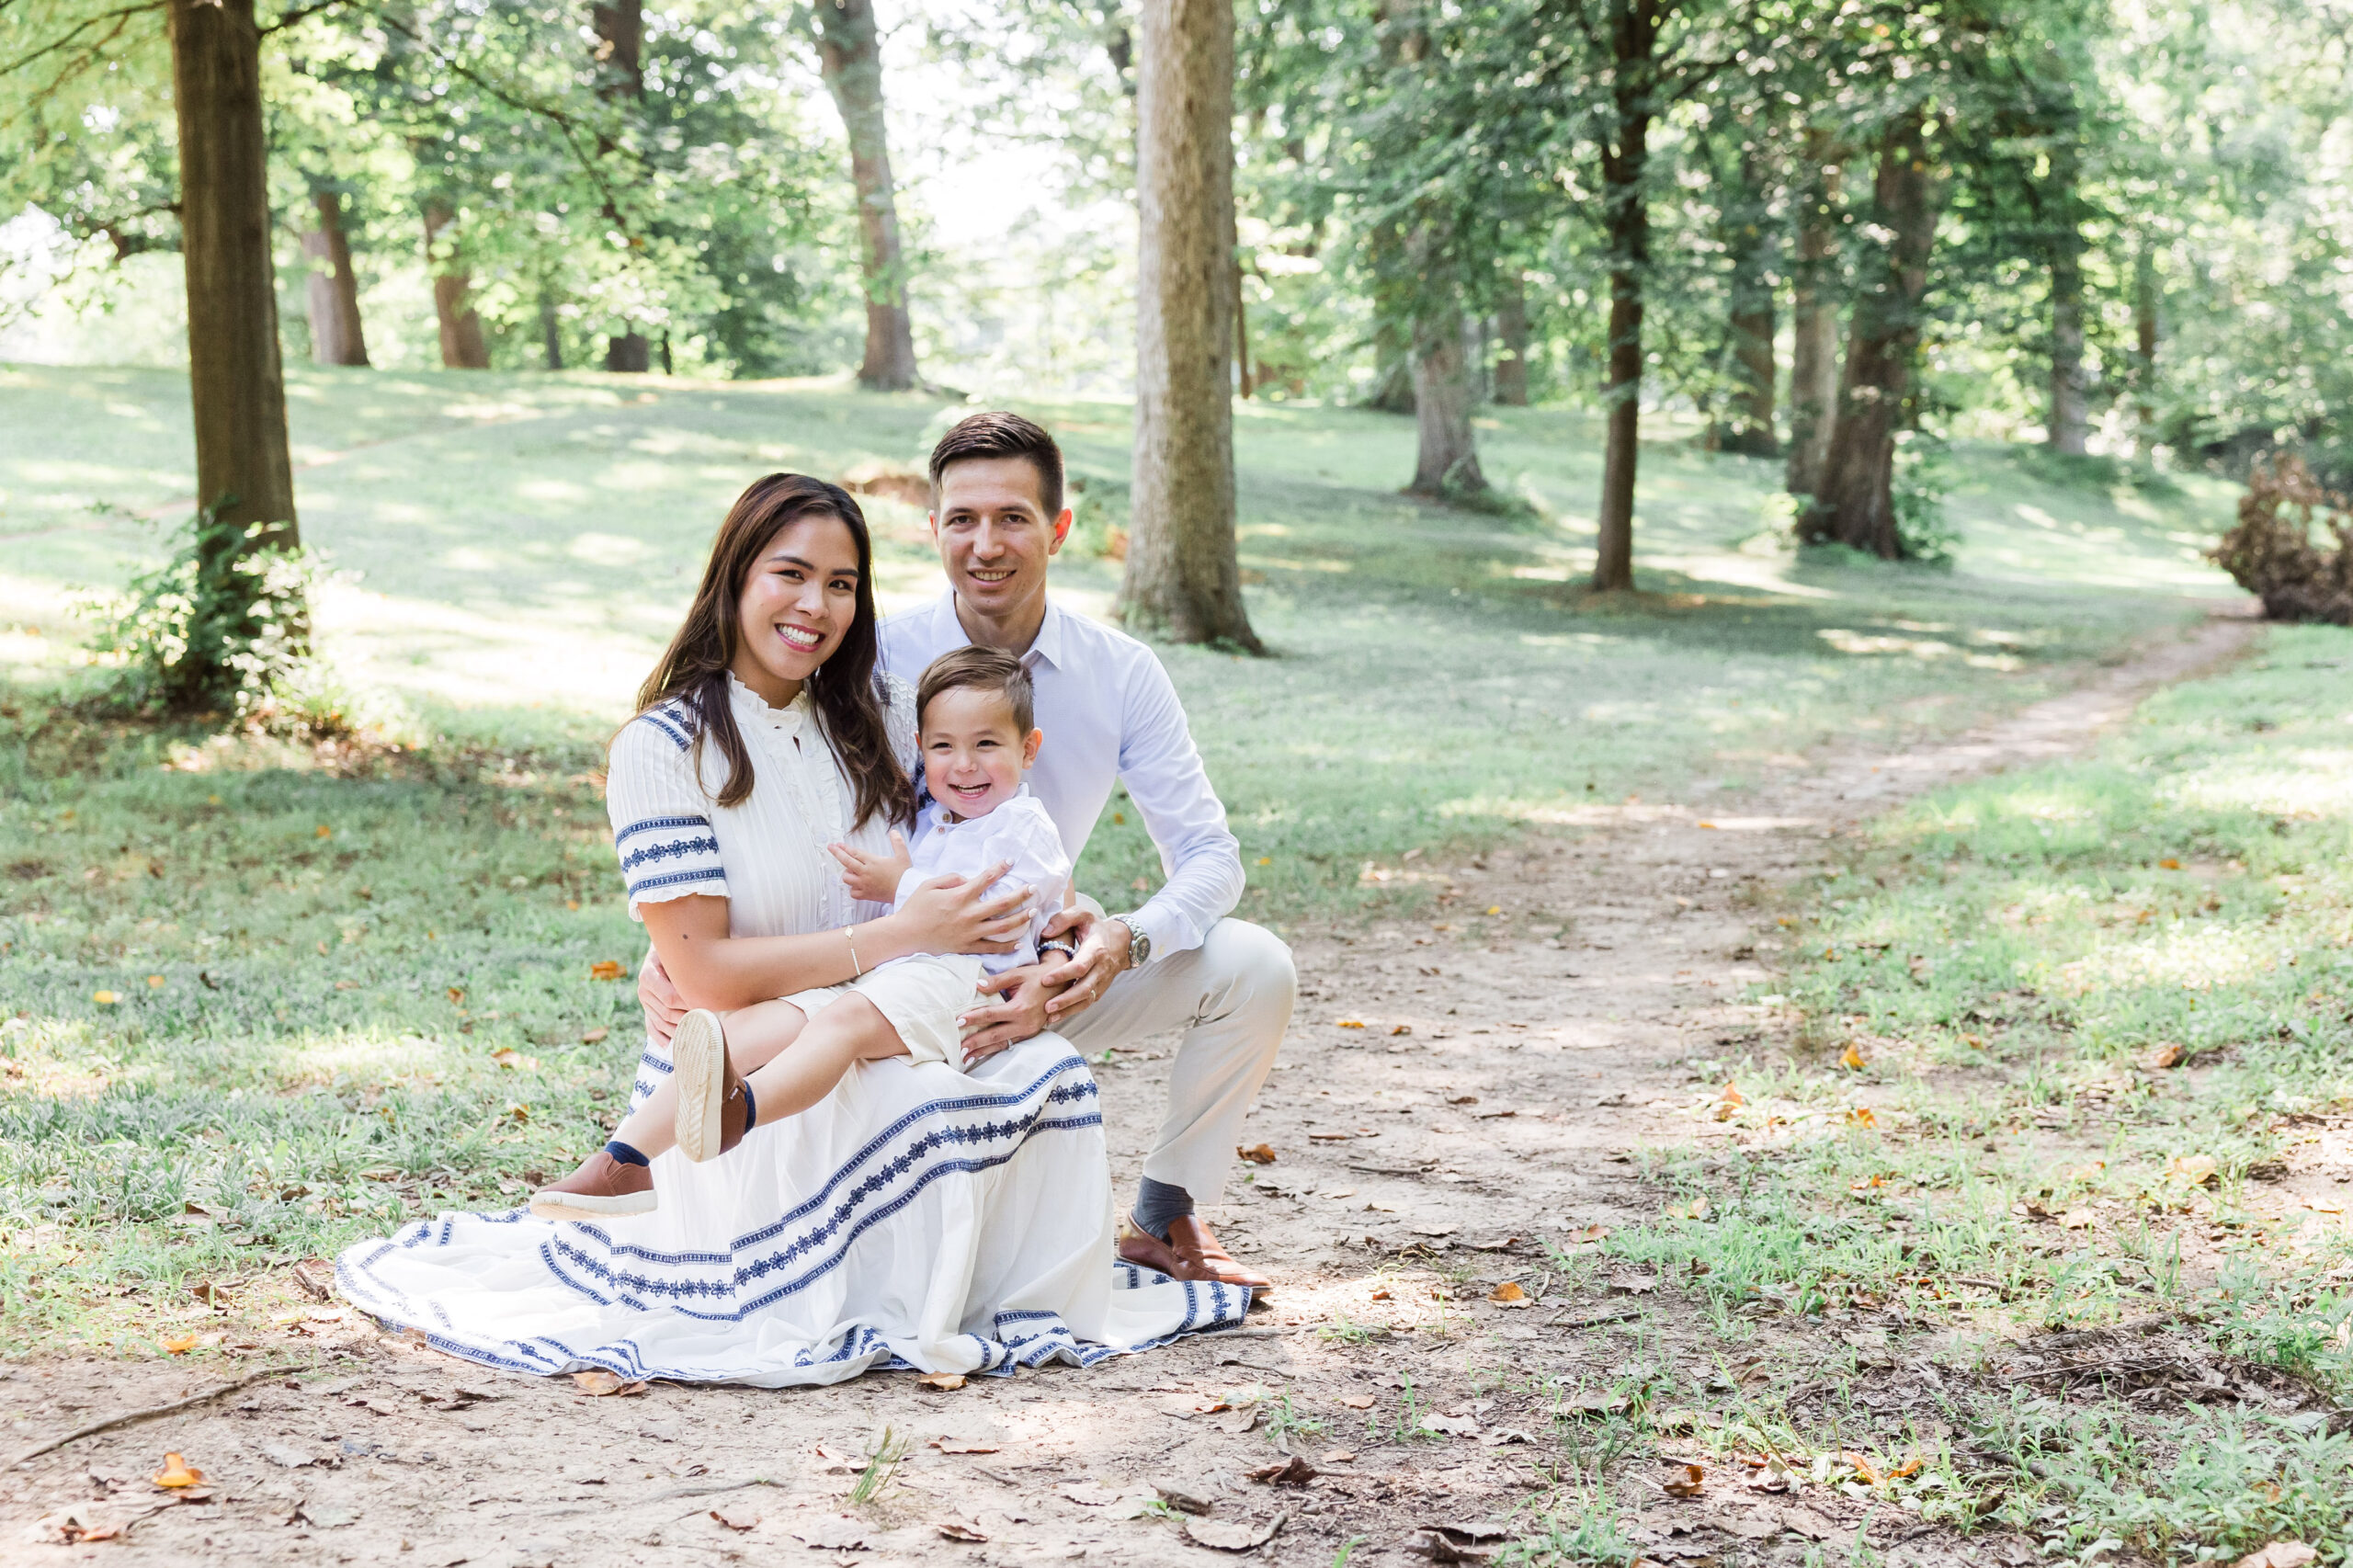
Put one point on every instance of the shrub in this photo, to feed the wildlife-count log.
(219, 627)
(2272, 555)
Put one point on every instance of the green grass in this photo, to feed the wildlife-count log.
(514, 549)
(2010, 961)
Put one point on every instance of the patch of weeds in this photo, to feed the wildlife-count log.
(890, 1447)
(1349, 1332)
(1578, 1529)
(1284, 1420)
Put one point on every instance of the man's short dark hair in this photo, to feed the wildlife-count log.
(998, 434)
(981, 669)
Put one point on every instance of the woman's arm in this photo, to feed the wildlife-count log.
(711, 969)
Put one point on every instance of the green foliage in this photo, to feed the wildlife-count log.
(223, 626)
(1924, 477)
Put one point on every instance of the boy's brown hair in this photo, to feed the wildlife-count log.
(981, 669)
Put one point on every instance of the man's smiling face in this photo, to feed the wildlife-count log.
(995, 538)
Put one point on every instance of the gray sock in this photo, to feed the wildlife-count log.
(1157, 1203)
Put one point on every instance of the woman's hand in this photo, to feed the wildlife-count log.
(656, 993)
(873, 877)
(1021, 1014)
(948, 915)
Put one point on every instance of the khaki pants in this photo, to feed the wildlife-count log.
(1232, 996)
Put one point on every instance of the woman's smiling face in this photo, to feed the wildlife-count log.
(797, 603)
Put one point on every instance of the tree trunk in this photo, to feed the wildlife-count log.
(1748, 424)
(462, 347)
(1447, 463)
(852, 62)
(334, 292)
(1511, 330)
(1855, 503)
(2144, 347)
(1625, 156)
(1182, 577)
(550, 331)
(621, 66)
(2070, 412)
(1240, 330)
(1813, 320)
(235, 380)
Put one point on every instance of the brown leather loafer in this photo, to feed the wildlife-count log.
(602, 1188)
(713, 1110)
(1191, 1252)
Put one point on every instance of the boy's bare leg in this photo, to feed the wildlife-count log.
(606, 1188)
(850, 1030)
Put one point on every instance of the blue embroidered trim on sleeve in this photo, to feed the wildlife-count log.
(707, 874)
(650, 824)
(668, 722)
(670, 851)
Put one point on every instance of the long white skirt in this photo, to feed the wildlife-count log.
(917, 1217)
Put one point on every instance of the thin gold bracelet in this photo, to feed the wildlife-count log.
(850, 932)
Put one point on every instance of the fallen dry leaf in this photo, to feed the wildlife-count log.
(2161, 1057)
(104, 998)
(1453, 1425)
(1684, 1481)
(601, 1382)
(1635, 1284)
(1852, 1057)
(1509, 1294)
(1348, 1024)
(606, 969)
(179, 1345)
(1402, 1029)
(1728, 1102)
(2169, 864)
(2279, 1555)
(1588, 1235)
(1293, 1472)
(177, 1473)
(1357, 1401)
(944, 1381)
(738, 1522)
(595, 1036)
(1861, 1116)
(1181, 1497)
(1239, 1535)
(1339, 1456)
(1264, 1155)
(2192, 1170)
(1381, 1294)
(1088, 1495)
(1808, 1523)
(964, 1444)
(962, 1530)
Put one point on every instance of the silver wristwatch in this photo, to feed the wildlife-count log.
(1139, 945)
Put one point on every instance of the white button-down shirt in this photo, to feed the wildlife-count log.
(1111, 715)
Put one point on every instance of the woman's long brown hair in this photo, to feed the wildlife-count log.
(850, 701)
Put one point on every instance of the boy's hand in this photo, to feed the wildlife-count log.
(873, 877)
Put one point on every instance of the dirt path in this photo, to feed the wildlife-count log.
(1458, 1091)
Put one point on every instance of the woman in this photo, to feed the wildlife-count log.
(918, 1216)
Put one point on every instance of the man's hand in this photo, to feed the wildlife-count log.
(1025, 994)
(1102, 954)
(664, 1006)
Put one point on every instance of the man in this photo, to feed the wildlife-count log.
(1111, 716)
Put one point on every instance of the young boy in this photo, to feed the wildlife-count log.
(977, 737)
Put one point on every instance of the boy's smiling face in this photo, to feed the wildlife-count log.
(974, 751)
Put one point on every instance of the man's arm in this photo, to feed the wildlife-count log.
(1164, 778)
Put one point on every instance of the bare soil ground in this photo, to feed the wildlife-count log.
(1458, 1090)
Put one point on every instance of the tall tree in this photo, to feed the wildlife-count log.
(464, 347)
(620, 26)
(1182, 574)
(1511, 334)
(851, 59)
(1446, 461)
(1813, 315)
(1634, 27)
(2069, 416)
(1747, 423)
(333, 291)
(1856, 502)
(237, 382)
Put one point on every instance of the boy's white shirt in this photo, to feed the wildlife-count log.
(1019, 831)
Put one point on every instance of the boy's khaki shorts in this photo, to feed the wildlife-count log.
(922, 997)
